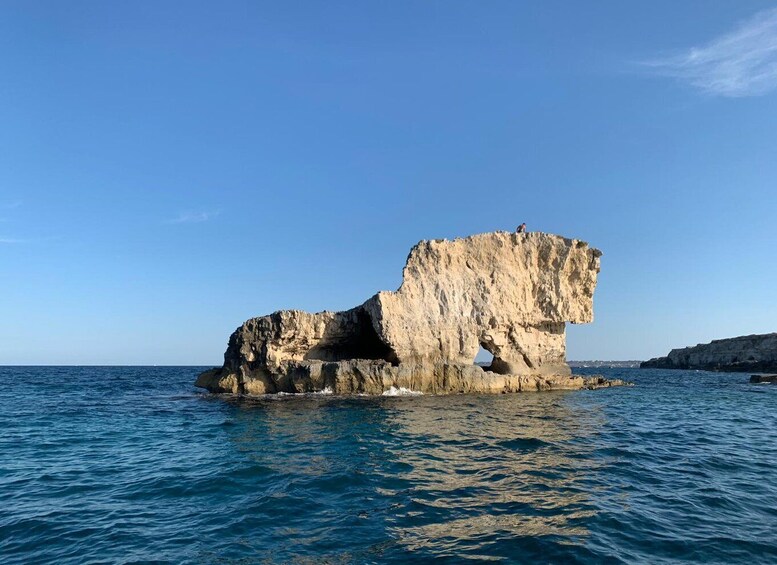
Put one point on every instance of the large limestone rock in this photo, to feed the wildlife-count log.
(510, 293)
(746, 353)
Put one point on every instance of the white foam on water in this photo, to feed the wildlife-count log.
(401, 391)
(325, 390)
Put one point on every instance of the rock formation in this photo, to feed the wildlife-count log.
(760, 379)
(510, 293)
(756, 353)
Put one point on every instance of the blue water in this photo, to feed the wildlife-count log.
(132, 464)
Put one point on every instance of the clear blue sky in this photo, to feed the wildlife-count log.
(170, 169)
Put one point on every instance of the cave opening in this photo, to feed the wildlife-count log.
(361, 341)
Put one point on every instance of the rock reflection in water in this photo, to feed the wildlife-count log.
(490, 468)
(448, 473)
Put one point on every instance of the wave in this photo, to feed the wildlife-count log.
(401, 391)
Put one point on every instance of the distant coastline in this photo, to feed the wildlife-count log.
(593, 364)
(600, 363)
(748, 353)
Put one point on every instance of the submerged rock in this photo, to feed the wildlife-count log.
(509, 293)
(750, 353)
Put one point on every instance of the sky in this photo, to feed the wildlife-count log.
(170, 169)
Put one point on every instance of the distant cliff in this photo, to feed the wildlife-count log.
(750, 353)
(507, 292)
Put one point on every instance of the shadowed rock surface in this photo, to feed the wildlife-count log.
(763, 379)
(750, 353)
(509, 293)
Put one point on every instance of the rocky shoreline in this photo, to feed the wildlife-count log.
(750, 353)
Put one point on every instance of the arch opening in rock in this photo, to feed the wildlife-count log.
(484, 358)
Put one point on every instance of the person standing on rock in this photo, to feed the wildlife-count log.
(521, 228)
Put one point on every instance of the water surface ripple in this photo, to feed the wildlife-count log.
(133, 465)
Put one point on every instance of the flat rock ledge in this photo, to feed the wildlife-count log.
(510, 293)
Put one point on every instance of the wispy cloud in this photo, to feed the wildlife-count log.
(742, 62)
(10, 205)
(10, 240)
(190, 217)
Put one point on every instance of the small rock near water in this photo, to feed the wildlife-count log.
(763, 379)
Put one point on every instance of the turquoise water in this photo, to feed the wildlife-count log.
(134, 465)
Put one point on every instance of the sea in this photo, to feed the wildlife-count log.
(135, 465)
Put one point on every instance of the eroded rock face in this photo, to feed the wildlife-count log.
(744, 353)
(510, 293)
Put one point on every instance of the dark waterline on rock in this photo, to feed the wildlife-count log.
(131, 464)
